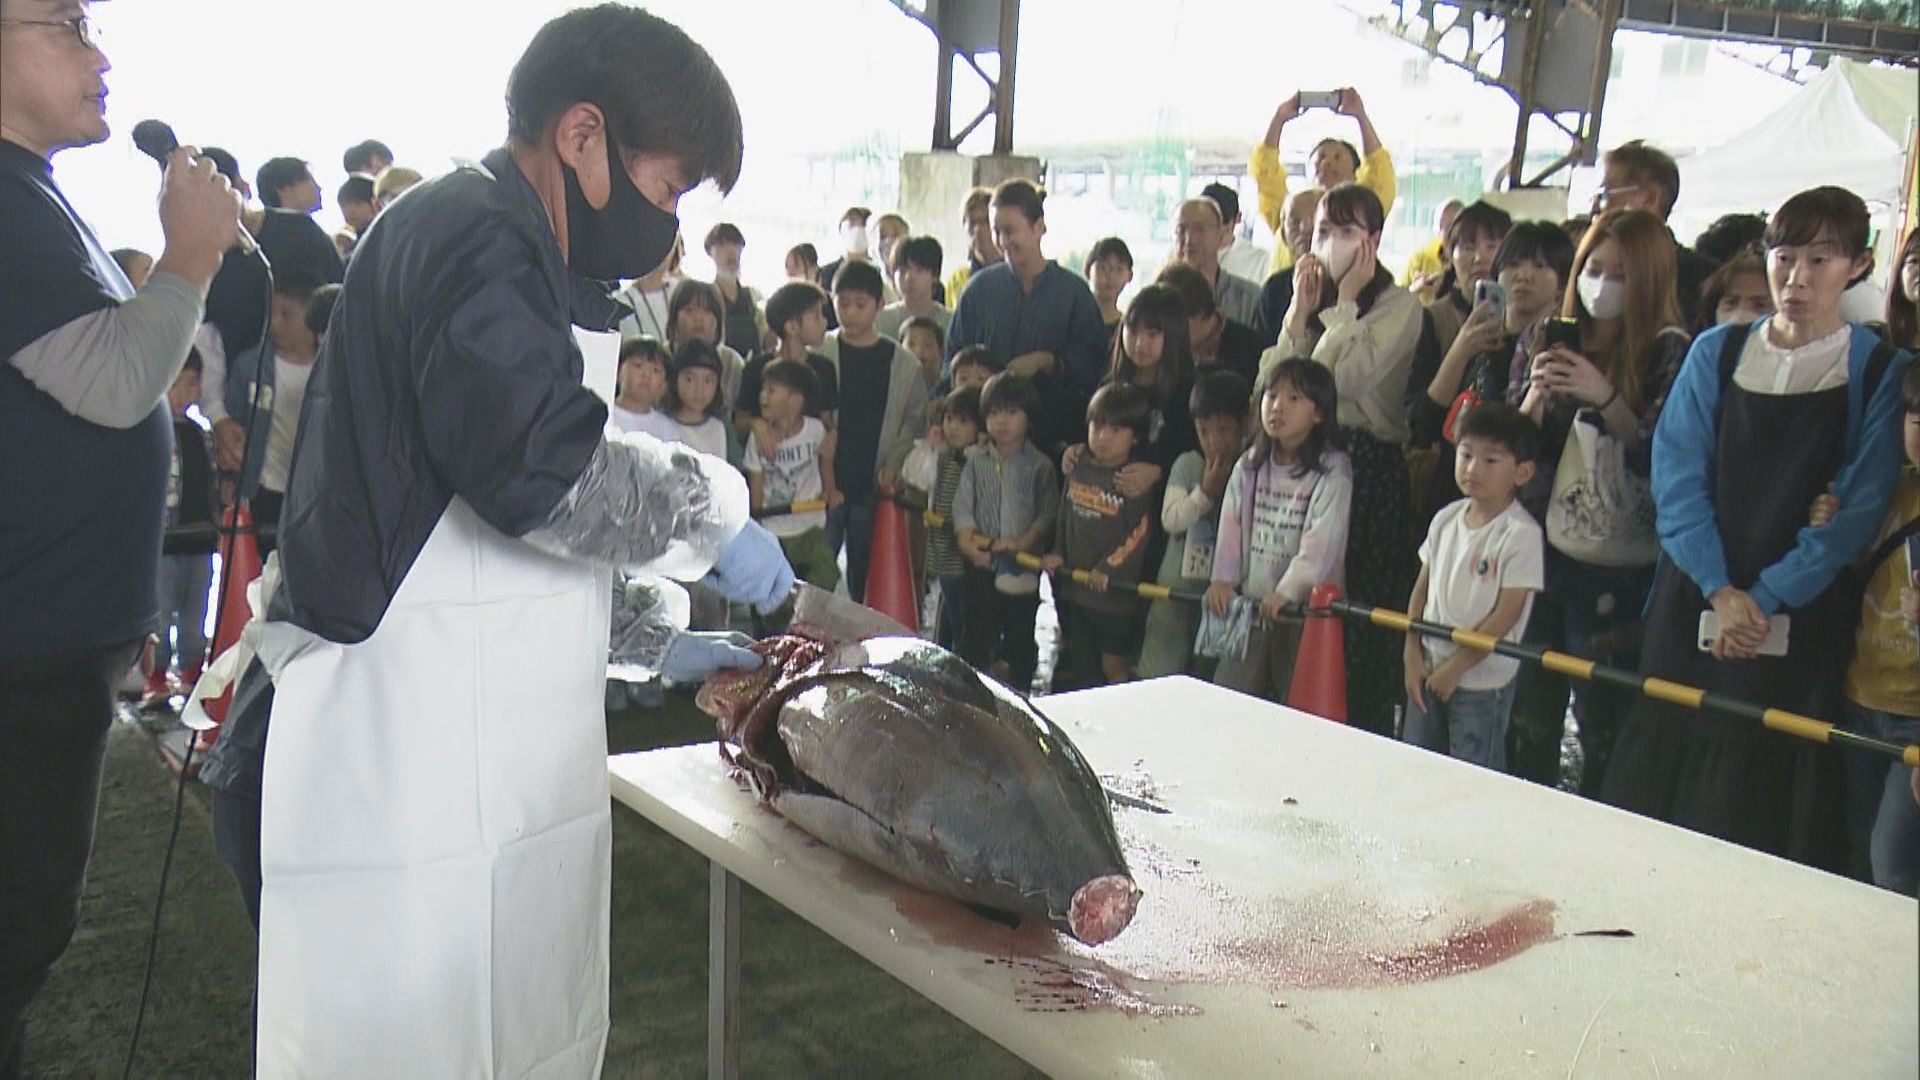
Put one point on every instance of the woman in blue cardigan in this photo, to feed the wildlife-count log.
(1763, 419)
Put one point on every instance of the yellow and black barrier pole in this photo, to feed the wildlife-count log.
(1147, 590)
(1790, 723)
(1804, 727)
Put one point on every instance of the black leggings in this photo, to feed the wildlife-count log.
(53, 743)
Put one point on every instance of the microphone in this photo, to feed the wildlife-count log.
(155, 138)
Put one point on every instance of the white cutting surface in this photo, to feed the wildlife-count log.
(1740, 965)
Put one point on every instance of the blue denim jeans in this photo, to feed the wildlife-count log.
(1471, 726)
(1882, 816)
(185, 581)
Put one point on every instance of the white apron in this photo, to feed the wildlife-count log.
(435, 835)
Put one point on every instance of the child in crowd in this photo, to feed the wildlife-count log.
(638, 384)
(693, 401)
(1190, 517)
(1109, 271)
(1004, 507)
(800, 470)
(696, 310)
(797, 319)
(924, 337)
(916, 272)
(973, 366)
(1283, 522)
(186, 562)
(283, 363)
(960, 434)
(692, 410)
(918, 476)
(1483, 560)
(1883, 681)
(1103, 532)
(883, 408)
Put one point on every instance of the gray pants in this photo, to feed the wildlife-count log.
(1267, 669)
(1168, 646)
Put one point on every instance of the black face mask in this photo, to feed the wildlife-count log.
(628, 238)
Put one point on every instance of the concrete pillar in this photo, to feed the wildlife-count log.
(934, 184)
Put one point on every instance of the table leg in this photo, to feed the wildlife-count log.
(723, 974)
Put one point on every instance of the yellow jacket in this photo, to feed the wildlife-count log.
(1270, 177)
(955, 282)
(1425, 261)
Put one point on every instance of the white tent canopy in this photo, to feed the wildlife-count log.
(1848, 126)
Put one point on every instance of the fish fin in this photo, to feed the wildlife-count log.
(992, 914)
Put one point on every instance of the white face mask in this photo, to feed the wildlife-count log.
(1603, 298)
(1338, 254)
(855, 237)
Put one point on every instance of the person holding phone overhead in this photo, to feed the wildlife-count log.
(1332, 163)
(1762, 419)
(1596, 390)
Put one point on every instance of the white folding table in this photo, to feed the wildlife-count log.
(1325, 902)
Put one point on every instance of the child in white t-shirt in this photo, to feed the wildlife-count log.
(641, 379)
(800, 471)
(1482, 563)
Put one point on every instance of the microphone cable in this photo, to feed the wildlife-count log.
(231, 531)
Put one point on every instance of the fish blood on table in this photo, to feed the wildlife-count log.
(894, 751)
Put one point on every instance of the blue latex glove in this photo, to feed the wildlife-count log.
(694, 655)
(753, 570)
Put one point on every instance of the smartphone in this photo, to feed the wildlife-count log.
(1319, 99)
(1562, 331)
(1777, 629)
(1491, 292)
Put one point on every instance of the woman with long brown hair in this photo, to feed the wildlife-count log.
(1613, 378)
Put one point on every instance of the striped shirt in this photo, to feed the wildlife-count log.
(1004, 496)
(943, 556)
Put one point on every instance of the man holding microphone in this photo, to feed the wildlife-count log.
(85, 447)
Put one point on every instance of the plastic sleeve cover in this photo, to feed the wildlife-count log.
(642, 506)
(648, 613)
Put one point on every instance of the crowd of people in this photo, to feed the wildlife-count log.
(1693, 463)
(1488, 440)
(1564, 433)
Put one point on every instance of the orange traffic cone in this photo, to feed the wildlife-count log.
(890, 569)
(1320, 668)
(239, 565)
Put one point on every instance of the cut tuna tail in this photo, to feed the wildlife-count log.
(1102, 908)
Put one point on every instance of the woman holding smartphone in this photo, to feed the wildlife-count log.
(1763, 419)
(1607, 362)
(1530, 273)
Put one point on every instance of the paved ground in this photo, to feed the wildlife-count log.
(810, 1007)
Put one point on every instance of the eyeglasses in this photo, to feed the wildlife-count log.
(1607, 196)
(83, 28)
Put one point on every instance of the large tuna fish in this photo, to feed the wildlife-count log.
(895, 751)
